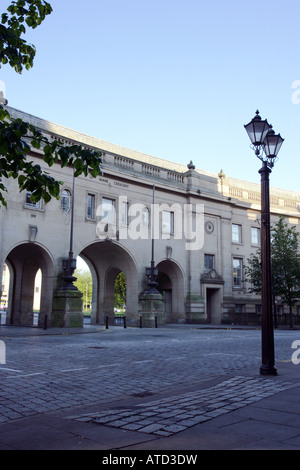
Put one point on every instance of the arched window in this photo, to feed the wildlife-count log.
(66, 200)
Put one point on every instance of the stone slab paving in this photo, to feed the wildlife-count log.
(169, 416)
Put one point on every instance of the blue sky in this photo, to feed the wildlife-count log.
(173, 79)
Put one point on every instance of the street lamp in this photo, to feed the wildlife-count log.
(152, 271)
(266, 145)
(69, 264)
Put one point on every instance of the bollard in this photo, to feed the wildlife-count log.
(141, 321)
(124, 318)
(106, 322)
(45, 322)
(155, 322)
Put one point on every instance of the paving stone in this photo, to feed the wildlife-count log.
(151, 428)
(101, 379)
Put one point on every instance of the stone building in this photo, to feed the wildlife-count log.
(204, 226)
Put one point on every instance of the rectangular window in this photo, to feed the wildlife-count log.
(29, 203)
(255, 236)
(168, 222)
(239, 308)
(236, 233)
(209, 262)
(90, 206)
(108, 211)
(279, 310)
(258, 309)
(125, 213)
(237, 267)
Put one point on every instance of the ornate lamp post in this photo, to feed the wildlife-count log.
(152, 271)
(266, 146)
(69, 264)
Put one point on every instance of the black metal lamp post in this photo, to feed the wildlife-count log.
(69, 264)
(152, 275)
(152, 271)
(266, 146)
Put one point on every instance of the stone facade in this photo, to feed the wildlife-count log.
(200, 273)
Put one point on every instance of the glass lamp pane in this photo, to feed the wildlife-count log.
(272, 144)
(257, 129)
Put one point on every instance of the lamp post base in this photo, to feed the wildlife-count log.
(152, 309)
(266, 370)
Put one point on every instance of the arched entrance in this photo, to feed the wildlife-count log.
(112, 275)
(171, 284)
(107, 259)
(31, 272)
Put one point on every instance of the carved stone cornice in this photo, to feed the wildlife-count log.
(212, 277)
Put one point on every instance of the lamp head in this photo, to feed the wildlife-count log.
(272, 144)
(263, 138)
(257, 130)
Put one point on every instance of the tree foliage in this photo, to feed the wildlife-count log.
(120, 291)
(14, 50)
(285, 259)
(18, 138)
(84, 284)
(286, 263)
(253, 272)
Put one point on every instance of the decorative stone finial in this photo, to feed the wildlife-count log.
(221, 175)
(191, 166)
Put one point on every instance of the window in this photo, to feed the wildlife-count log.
(209, 262)
(258, 309)
(236, 233)
(255, 236)
(279, 310)
(239, 308)
(146, 217)
(108, 210)
(125, 213)
(31, 204)
(167, 222)
(90, 206)
(237, 266)
(66, 200)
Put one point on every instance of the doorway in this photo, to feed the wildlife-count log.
(171, 285)
(213, 305)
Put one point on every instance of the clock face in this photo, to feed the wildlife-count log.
(146, 217)
(209, 227)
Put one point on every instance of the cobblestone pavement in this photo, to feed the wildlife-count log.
(53, 372)
(166, 417)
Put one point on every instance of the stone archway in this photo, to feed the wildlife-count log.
(107, 260)
(110, 279)
(24, 261)
(171, 284)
